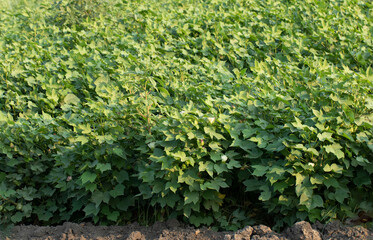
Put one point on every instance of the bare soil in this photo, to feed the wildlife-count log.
(174, 230)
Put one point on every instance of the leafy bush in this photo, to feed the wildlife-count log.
(74, 12)
(217, 112)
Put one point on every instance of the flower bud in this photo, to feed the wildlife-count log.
(211, 119)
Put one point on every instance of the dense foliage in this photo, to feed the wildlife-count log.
(215, 112)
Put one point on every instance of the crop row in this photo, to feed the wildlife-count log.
(214, 112)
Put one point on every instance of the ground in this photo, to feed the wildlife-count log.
(174, 230)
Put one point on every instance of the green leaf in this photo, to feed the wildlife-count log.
(163, 92)
(248, 132)
(369, 103)
(207, 166)
(220, 182)
(77, 205)
(103, 167)
(306, 196)
(210, 185)
(71, 99)
(117, 191)
(362, 137)
(28, 193)
(172, 199)
(245, 145)
(335, 149)
(31, 81)
(318, 114)
(313, 151)
(254, 153)
(220, 168)
(145, 191)
(279, 170)
(209, 195)
(265, 195)
(157, 187)
(277, 146)
(113, 216)
(43, 214)
(341, 194)
(252, 185)
(215, 156)
(86, 128)
(298, 124)
(299, 178)
(27, 209)
(181, 156)
(349, 113)
(88, 177)
(196, 221)
(189, 177)
(362, 179)
(5, 192)
(346, 133)
(284, 200)
(191, 197)
(17, 217)
(233, 164)
(2, 176)
(82, 139)
(210, 131)
(109, 139)
(121, 176)
(98, 197)
(124, 203)
(17, 70)
(331, 182)
(325, 136)
(317, 201)
(260, 141)
(359, 161)
(333, 168)
(215, 146)
(301, 182)
(90, 187)
(91, 210)
(278, 186)
(259, 170)
(317, 179)
(173, 186)
(119, 152)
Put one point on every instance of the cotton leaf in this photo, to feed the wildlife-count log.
(335, 149)
(333, 168)
(71, 99)
(191, 197)
(259, 170)
(88, 177)
(325, 136)
(117, 191)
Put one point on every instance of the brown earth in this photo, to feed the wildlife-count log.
(174, 230)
